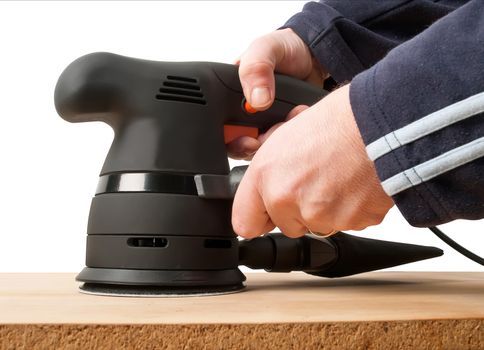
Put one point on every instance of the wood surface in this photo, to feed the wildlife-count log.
(370, 311)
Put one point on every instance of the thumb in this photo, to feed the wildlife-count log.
(256, 71)
(249, 215)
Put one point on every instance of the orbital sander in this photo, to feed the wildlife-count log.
(160, 220)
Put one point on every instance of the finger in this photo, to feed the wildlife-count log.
(316, 216)
(290, 227)
(295, 111)
(256, 71)
(283, 210)
(263, 137)
(249, 215)
(243, 147)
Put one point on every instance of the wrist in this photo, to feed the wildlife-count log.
(340, 108)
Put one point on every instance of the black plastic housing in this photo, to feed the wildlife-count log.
(146, 224)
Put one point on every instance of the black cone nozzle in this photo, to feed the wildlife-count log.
(358, 254)
(337, 256)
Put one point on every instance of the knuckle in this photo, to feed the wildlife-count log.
(369, 215)
(312, 215)
(255, 68)
(354, 221)
(293, 232)
(357, 227)
(280, 199)
(376, 220)
(241, 228)
(268, 41)
(360, 221)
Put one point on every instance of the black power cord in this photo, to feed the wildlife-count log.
(468, 254)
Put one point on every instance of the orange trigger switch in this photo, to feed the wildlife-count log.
(232, 132)
(249, 109)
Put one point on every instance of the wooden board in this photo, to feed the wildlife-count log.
(275, 310)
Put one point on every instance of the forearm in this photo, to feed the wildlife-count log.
(347, 36)
(420, 113)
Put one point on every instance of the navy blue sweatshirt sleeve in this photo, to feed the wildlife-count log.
(348, 36)
(420, 111)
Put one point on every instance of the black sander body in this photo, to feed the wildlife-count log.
(159, 222)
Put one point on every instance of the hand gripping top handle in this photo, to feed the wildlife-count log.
(167, 116)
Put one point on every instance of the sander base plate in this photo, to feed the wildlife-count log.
(142, 291)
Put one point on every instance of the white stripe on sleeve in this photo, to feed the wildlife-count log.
(440, 119)
(434, 167)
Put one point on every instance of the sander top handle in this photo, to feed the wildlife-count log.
(169, 116)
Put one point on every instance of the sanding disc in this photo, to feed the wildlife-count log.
(156, 291)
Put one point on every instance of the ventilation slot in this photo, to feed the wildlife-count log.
(181, 89)
(151, 242)
(181, 85)
(188, 80)
(181, 92)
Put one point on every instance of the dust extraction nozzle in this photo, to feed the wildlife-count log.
(337, 256)
(358, 254)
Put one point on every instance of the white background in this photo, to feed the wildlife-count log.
(49, 167)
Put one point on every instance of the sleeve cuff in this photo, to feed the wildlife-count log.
(315, 24)
(418, 204)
